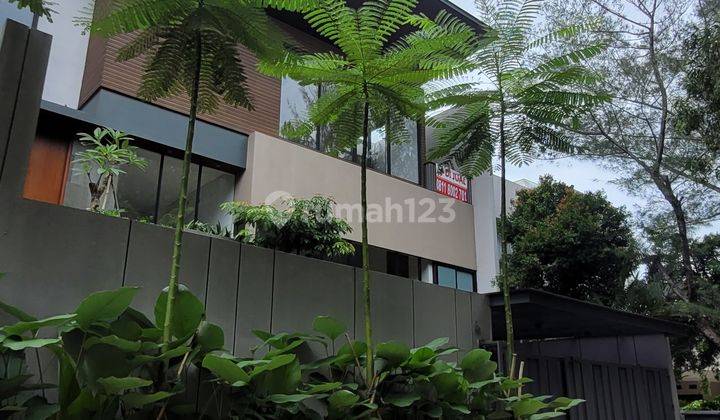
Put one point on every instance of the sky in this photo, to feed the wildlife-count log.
(584, 175)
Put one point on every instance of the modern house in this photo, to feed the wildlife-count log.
(434, 241)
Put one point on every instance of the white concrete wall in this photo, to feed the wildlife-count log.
(275, 165)
(486, 207)
(67, 54)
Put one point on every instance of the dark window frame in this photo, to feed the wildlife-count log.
(456, 269)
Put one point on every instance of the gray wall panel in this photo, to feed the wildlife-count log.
(55, 256)
(222, 286)
(463, 315)
(254, 301)
(391, 300)
(600, 349)
(481, 318)
(148, 263)
(434, 313)
(305, 288)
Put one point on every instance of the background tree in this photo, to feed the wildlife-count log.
(41, 8)
(373, 80)
(191, 47)
(517, 108)
(635, 134)
(571, 243)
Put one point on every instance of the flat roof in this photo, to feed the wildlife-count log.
(429, 8)
(538, 314)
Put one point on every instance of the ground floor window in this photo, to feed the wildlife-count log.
(151, 194)
(454, 277)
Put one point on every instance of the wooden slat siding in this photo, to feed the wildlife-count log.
(94, 64)
(125, 78)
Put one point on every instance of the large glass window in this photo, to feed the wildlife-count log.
(455, 278)
(294, 102)
(137, 188)
(151, 194)
(404, 155)
(399, 159)
(170, 188)
(216, 187)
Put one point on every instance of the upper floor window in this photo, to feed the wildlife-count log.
(399, 159)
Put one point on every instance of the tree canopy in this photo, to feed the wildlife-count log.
(571, 243)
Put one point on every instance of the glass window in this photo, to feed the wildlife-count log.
(216, 187)
(137, 188)
(77, 190)
(465, 281)
(446, 276)
(170, 188)
(377, 155)
(404, 156)
(294, 102)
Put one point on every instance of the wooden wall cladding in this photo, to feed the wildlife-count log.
(102, 70)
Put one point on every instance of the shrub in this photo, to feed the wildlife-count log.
(306, 227)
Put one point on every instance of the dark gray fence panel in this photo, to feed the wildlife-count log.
(222, 286)
(148, 263)
(434, 313)
(391, 300)
(464, 323)
(254, 296)
(305, 288)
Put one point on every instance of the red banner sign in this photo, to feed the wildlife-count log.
(451, 183)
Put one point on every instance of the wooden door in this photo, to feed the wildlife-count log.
(47, 170)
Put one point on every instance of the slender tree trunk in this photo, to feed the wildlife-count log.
(369, 368)
(182, 199)
(504, 278)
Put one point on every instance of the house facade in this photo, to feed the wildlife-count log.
(428, 225)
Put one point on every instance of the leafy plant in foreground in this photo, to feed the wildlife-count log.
(423, 382)
(111, 357)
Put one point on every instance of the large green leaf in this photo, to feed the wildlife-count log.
(477, 366)
(527, 406)
(16, 312)
(395, 353)
(210, 336)
(118, 386)
(329, 326)
(115, 341)
(225, 369)
(343, 399)
(32, 343)
(188, 311)
(288, 398)
(138, 400)
(24, 326)
(402, 400)
(105, 305)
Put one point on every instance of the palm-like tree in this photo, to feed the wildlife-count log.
(520, 106)
(375, 79)
(191, 47)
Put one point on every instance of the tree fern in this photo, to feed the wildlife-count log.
(523, 109)
(39, 7)
(374, 81)
(190, 48)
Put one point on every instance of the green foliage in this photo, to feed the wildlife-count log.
(171, 33)
(217, 229)
(571, 243)
(304, 226)
(407, 383)
(701, 405)
(110, 358)
(529, 104)
(106, 153)
(39, 7)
